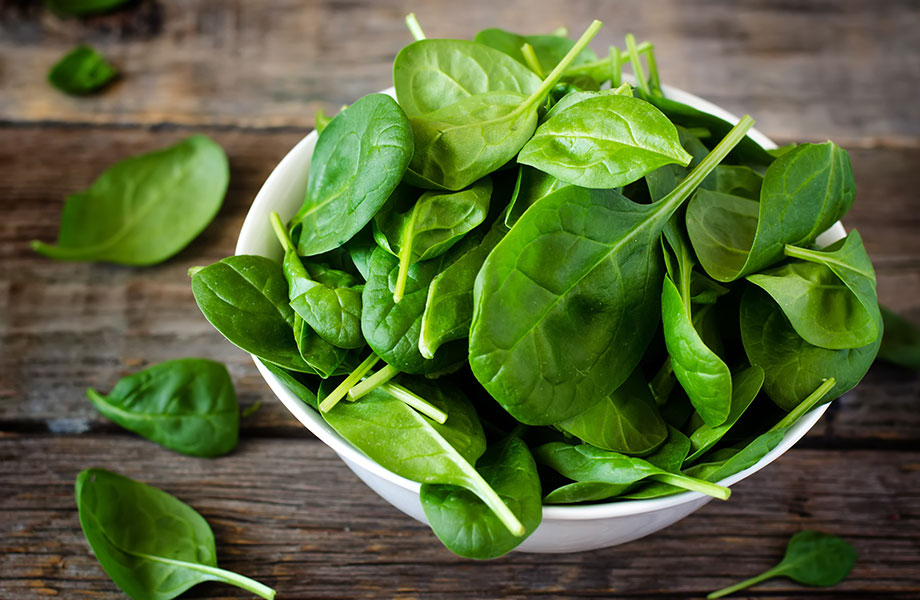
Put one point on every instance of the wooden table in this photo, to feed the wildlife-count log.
(284, 509)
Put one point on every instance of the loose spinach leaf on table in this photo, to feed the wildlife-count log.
(359, 159)
(837, 283)
(466, 525)
(81, 71)
(587, 319)
(144, 209)
(900, 342)
(812, 558)
(187, 405)
(246, 299)
(152, 545)
(79, 8)
(804, 192)
(604, 142)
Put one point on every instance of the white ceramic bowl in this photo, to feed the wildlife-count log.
(564, 528)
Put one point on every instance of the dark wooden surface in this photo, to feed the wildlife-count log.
(284, 509)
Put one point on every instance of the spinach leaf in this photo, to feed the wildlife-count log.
(415, 447)
(837, 283)
(144, 209)
(187, 405)
(626, 421)
(804, 192)
(79, 8)
(465, 135)
(152, 545)
(792, 366)
(449, 305)
(604, 142)
(581, 265)
(391, 329)
(323, 358)
(81, 71)
(360, 248)
(590, 464)
(294, 383)
(812, 558)
(429, 226)
(246, 299)
(575, 97)
(359, 159)
(548, 49)
(533, 186)
(736, 180)
(900, 342)
(466, 525)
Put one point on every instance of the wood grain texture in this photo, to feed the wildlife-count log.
(841, 69)
(308, 527)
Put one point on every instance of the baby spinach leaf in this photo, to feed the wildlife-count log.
(463, 135)
(794, 368)
(837, 283)
(449, 305)
(418, 448)
(804, 192)
(81, 71)
(900, 342)
(392, 329)
(533, 186)
(293, 381)
(604, 142)
(581, 265)
(549, 49)
(187, 405)
(152, 545)
(79, 8)
(736, 180)
(466, 525)
(427, 227)
(587, 463)
(575, 97)
(144, 209)
(626, 421)
(246, 299)
(323, 358)
(359, 159)
(812, 558)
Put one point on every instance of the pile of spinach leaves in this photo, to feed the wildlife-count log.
(523, 281)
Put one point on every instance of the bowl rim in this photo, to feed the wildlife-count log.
(264, 202)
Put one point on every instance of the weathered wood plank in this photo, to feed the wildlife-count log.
(69, 326)
(289, 513)
(814, 70)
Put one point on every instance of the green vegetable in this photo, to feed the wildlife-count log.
(533, 185)
(838, 283)
(187, 405)
(588, 318)
(549, 50)
(466, 525)
(901, 341)
(79, 8)
(152, 545)
(595, 143)
(145, 209)
(359, 159)
(81, 71)
(322, 357)
(812, 558)
(292, 381)
(426, 227)
(804, 192)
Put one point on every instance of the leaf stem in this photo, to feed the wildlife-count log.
(648, 50)
(281, 233)
(405, 258)
(638, 71)
(415, 401)
(222, 575)
(806, 405)
(532, 61)
(496, 504)
(192, 271)
(616, 67)
(603, 63)
(382, 376)
(744, 584)
(557, 73)
(414, 28)
(339, 392)
(693, 484)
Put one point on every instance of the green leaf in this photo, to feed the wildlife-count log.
(604, 142)
(359, 159)
(830, 300)
(576, 97)
(187, 405)
(793, 367)
(466, 525)
(246, 299)
(81, 71)
(900, 342)
(626, 421)
(144, 209)
(152, 545)
(293, 381)
(549, 49)
(804, 192)
(79, 8)
(323, 358)
(534, 185)
(812, 558)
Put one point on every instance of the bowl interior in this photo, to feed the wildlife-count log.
(283, 192)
